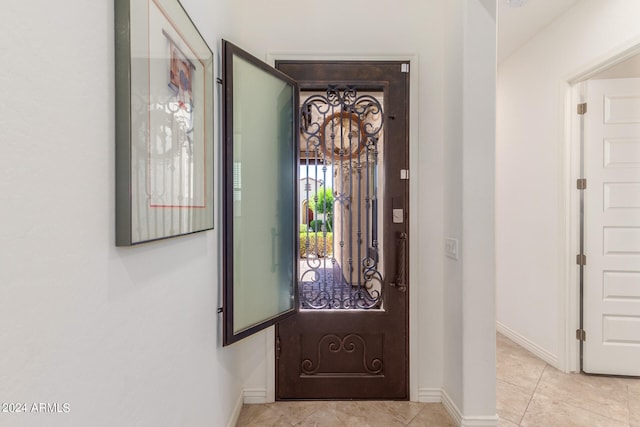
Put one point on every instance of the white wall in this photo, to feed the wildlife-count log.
(469, 297)
(453, 205)
(125, 336)
(535, 287)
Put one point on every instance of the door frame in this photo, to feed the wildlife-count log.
(569, 296)
(414, 344)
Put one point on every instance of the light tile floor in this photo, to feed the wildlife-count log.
(532, 393)
(529, 393)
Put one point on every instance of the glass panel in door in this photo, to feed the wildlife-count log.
(260, 209)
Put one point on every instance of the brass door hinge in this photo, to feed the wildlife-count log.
(581, 183)
(582, 108)
(581, 335)
(581, 259)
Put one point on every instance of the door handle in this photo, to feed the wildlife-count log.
(372, 250)
(274, 247)
(400, 279)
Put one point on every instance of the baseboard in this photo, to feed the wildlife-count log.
(490, 421)
(523, 342)
(430, 395)
(451, 408)
(236, 411)
(254, 395)
(248, 396)
(464, 421)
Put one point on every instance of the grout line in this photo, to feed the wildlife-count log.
(415, 416)
(546, 365)
(628, 403)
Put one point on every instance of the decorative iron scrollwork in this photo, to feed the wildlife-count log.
(342, 130)
(340, 124)
(349, 344)
(341, 136)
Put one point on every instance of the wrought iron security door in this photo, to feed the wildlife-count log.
(340, 152)
(349, 338)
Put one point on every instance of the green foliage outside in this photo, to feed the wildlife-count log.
(317, 244)
(324, 204)
(316, 225)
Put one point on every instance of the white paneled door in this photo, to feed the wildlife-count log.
(612, 227)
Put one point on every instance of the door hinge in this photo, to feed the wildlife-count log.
(581, 259)
(404, 68)
(582, 108)
(404, 173)
(218, 80)
(278, 347)
(581, 335)
(581, 183)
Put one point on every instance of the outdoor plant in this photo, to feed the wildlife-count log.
(323, 201)
(316, 225)
(323, 204)
(316, 244)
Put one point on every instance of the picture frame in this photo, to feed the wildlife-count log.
(164, 123)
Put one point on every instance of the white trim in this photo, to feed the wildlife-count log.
(252, 396)
(467, 421)
(611, 58)
(414, 97)
(270, 360)
(451, 408)
(564, 248)
(571, 304)
(271, 57)
(236, 411)
(480, 421)
(414, 224)
(540, 352)
(430, 395)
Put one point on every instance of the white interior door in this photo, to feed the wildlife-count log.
(612, 227)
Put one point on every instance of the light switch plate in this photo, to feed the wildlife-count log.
(451, 247)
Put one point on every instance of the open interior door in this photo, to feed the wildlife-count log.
(612, 228)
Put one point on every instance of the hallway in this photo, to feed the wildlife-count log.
(529, 393)
(532, 393)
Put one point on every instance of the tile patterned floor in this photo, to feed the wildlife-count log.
(345, 414)
(530, 393)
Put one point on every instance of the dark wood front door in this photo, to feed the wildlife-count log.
(349, 338)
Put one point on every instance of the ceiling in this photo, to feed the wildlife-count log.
(516, 25)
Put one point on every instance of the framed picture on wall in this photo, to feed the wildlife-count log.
(164, 123)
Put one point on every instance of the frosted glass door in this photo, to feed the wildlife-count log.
(260, 205)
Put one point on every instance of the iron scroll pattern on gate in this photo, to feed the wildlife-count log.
(351, 345)
(341, 132)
